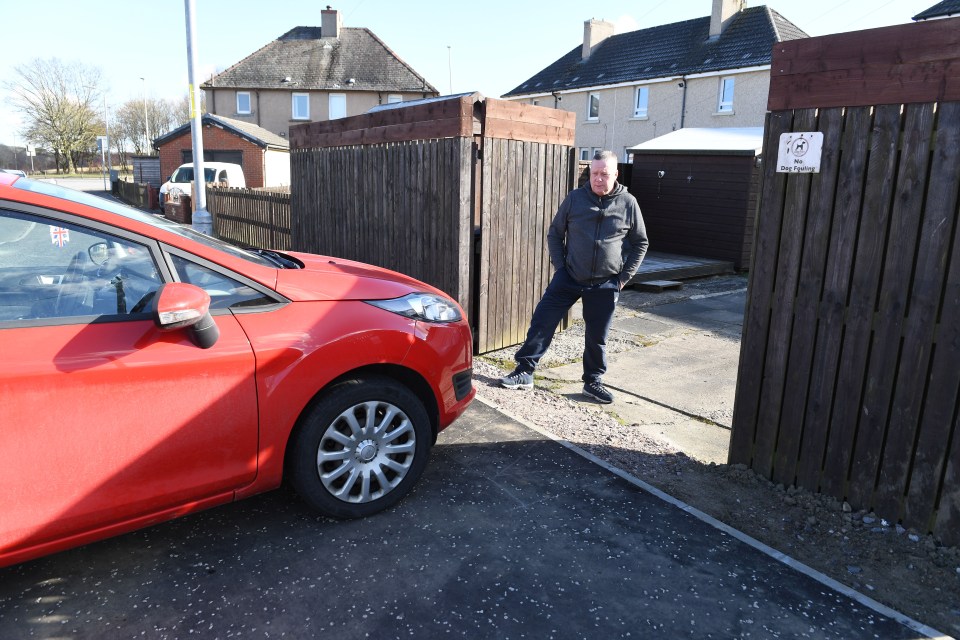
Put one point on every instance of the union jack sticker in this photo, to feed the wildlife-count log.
(59, 236)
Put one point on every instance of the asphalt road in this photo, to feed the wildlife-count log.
(508, 535)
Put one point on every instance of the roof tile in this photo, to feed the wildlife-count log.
(679, 48)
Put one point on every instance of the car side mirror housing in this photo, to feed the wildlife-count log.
(178, 305)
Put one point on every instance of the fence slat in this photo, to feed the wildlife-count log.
(868, 262)
(756, 322)
(784, 299)
(939, 409)
(819, 218)
(843, 240)
(892, 303)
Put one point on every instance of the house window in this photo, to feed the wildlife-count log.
(243, 103)
(392, 98)
(640, 102)
(627, 156)
(725, 105)
(584, 153)
(536, 102)
(593, 107)
(301, 106)
(338, 105)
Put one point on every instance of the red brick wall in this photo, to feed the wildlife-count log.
(214, 139)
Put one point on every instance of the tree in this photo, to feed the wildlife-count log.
(128, 126)
(58, 101)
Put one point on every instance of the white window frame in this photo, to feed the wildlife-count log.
(337, 103)
(393, 98)
(593, 99)
(249, 108)
(627, 156)
(294, 115)
(726, 106)
(641, 100)
(584, 153)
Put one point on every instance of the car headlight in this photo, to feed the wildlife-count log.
(421, 306)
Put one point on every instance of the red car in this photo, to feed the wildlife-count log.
(148, 371)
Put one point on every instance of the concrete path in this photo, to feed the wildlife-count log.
(692, 407)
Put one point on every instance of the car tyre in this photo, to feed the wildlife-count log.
(361, 448)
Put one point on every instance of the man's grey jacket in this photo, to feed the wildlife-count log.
(598, 237)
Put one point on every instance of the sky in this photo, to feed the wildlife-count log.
(490, 46)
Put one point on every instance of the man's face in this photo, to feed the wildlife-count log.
(603, 175)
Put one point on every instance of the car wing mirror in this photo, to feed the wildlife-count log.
(178, 305)
(98, 252)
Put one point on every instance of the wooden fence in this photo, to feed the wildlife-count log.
(457, 192)
(142, 196)
(849, 383)
(523, 185)
(251, 217)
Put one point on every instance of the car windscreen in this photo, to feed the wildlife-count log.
(70, 195)
(185, 174)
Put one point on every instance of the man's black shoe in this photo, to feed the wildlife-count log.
(598, 392)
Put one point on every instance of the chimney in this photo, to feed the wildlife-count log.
(595, 32)
(330, 23)
(723, 12)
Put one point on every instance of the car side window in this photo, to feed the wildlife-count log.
(51, 271)
(225, 292)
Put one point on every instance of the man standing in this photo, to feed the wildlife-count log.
(597, 241)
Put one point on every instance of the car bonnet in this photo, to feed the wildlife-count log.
(328, 278)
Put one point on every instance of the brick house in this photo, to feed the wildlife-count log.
(631, 87)
(313, 74)
(264, 156)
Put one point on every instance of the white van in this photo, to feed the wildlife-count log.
(182, 178)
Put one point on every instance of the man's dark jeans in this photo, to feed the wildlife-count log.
(599, 301)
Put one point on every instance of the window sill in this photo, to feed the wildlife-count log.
(640, 118)
(594, 121)
(725, 113)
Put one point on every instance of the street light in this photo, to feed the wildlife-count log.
(106, 135)
(146, 122)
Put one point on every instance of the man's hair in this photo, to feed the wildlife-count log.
(605, 155)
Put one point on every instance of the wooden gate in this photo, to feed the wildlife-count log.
(849, 381)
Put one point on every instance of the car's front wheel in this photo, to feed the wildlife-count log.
(361, 448)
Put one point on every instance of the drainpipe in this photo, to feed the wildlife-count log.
(683, 99)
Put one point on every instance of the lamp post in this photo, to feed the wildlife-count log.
(202, 220)
(146, 122)
(450, 67)
(106, 135)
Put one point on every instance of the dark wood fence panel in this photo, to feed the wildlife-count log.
(455, 191)
(848, 382)
(247, 217)
(816, 240)
(397, 205)
(523, 185)
(814, 432)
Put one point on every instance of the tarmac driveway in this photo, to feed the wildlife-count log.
(509, 535)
